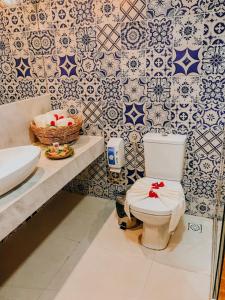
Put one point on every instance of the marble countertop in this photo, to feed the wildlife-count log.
(50, 177)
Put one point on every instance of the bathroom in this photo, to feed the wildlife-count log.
(131, 68)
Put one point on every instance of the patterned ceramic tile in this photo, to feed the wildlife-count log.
(204, 187)
(18, 44)
(44, 15)
(212, 92)
(200, 206)
(6, 68)
(62, 14)
(86, 39)
(134, 90)
(112, 113)
(158, 115)
(93, 129)
(69, 89)
(158, 89)
(97, 170)
(41, 42)
(160, 34)
(4, 45)
(68, 66)
(183, 7)
(89, 64)
(215, 6)
(112, 132)
(208, 143)
(159, 64)
(115, 190)
(182, 117)
(111, 89)
(188, 32)
(88, 87)
(65, 41)
(3, 21)
(213, 61)
(214, 29)
(30, 17)
(83, 12)
(133, 35)
(132, 10)
(107, 11)
(98, 189)
(15, 19)
(134, 116)
(92, 112)
(187, 62)
(185, 89)
(51, 66)
(23, 68)
(117, 178)
(133, 63)
(156, 8)
(108, 37)
(109, 63)
(26, 88)
(212, 118)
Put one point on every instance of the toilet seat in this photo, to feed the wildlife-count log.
(153, 206)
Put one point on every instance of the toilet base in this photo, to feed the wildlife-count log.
(155, 237)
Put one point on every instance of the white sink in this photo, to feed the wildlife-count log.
(16, 164)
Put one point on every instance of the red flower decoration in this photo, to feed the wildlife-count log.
(56, 117)
(156, 185)
(70, 124)
(153, 194)
(52, 123)
(161, 184)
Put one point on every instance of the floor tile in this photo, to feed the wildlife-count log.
(169, 283)
(104, 275)
(127, 242)
(11, 293)
(189, 249)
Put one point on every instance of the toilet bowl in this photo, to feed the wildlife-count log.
(164, 161)
(156, 218)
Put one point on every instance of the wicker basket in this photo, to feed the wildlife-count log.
(62, 134)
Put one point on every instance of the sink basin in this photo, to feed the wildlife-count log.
(16, 164)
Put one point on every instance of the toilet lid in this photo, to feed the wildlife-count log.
(153, 206)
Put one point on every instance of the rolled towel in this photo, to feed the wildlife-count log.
(49, 120)
(65, 122)
(57, 113)
(40, 121)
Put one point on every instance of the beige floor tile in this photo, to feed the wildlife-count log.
(167, 283)
(37, 270)
(48, 295)
(62, 275)
(127, 242)
(189, 250)
(103, 275)
(10, 293)
(40, 248)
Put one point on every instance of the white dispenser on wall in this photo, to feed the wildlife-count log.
(115, 154)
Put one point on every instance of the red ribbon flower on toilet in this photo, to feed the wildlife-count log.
(156, 186)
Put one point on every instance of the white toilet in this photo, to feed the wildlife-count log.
(164, 161)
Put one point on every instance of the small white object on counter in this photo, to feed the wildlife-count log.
(115, 154)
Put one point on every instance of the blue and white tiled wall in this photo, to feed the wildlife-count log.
(131, 66)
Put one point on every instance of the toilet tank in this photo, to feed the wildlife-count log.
(164, 156)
